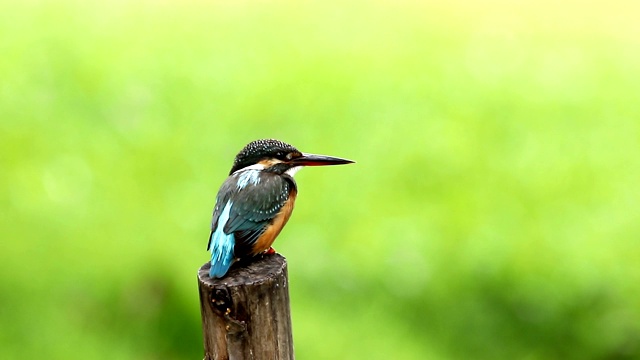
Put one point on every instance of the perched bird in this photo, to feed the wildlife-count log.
(256, 200)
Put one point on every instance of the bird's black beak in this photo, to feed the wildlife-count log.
(318, 160)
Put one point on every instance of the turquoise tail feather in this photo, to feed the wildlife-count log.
(222, 246)
(221, 256)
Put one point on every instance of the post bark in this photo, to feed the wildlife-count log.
(245, 315)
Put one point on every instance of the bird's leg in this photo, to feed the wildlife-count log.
(270, 251)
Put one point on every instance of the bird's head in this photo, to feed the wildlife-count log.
(279, 157)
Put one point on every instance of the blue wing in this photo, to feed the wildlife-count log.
(221, 245)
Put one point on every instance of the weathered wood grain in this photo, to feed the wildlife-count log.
(246, 315)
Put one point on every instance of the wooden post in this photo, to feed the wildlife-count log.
(245, 315)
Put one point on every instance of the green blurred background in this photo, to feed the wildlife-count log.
(493, 212)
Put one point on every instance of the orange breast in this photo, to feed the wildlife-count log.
(269, 235)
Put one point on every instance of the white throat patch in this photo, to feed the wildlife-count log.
(291, 172)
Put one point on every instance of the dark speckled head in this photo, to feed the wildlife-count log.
(261, 150)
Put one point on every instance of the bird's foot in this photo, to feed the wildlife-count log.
(270, 251)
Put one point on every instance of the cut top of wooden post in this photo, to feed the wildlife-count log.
(259, 269)
(246, 315)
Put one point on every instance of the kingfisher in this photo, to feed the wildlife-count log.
(255, 202)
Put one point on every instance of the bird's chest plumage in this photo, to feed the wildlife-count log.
(273, 228)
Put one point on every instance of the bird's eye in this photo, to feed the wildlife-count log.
(279, 154)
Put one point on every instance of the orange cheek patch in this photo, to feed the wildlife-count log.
(268, 162)
(268, 237)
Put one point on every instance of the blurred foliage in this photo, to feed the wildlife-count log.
(493, 212)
